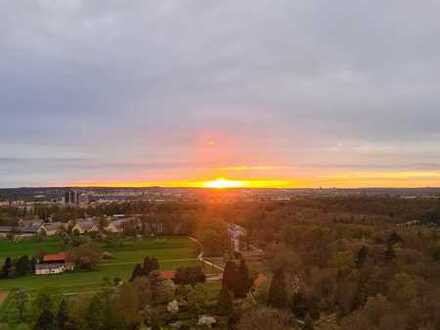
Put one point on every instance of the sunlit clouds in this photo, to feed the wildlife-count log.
(249, 93)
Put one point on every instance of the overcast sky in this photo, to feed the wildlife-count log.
(318, 93)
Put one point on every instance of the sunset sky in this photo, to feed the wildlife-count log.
(266, 93)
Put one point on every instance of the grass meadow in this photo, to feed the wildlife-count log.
(172, 252)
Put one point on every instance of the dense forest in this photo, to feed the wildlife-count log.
(337, 263)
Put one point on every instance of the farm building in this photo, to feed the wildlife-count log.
(54, 264)
(51, 229)
(85, 226)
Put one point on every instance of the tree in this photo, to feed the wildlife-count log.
(143, 289)
(278, 292)
(62, 316)
(95, 313)
(163, 291)
(214, 238)
(230, 276)
(263, 319)
(7, 268)
(23, 266)
(46, 299)
(137, 272)
(45, 321)
(361, 257)
(127, 305)
(243, 283)
(20, 298)
(85, 256)
(197, 298)
(225, 302)
(150, 264)
(189, 275)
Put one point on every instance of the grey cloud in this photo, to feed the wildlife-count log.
(141, 80)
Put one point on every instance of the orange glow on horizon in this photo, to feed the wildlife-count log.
(219, 183)
(396, 179)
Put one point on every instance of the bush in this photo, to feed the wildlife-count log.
(85, 256)
(189, 275)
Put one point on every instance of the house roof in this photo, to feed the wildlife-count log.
(53, 226)
(18, 229)
(121, 223)
(86, 224)
(168, 274)
(5, 229)
(57, 257)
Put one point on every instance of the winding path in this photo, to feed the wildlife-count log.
(207, 262)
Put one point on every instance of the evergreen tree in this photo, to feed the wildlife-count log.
(7, 268)
(137, 272)
(361, 257)
(22, 266)
(45, 321)
(150, 264)
(230, 276)
(243, 283)
(225, 302)
(33, 263)
(277, 292)
(147, 266)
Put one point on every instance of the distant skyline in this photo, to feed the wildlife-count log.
(247, 93)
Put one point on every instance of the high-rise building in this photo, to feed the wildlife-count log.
(71, 197)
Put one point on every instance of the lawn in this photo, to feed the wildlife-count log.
(29, 247)
(172, 253)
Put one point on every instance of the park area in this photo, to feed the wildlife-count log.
(172, 252)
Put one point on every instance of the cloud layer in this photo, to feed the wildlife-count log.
(174, 90)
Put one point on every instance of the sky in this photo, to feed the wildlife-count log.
(282, 93)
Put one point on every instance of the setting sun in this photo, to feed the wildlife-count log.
(222, 183)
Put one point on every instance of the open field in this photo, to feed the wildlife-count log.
(28, 247)
(172, 253)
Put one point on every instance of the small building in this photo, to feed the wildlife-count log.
(85, 226)
(121, 225)
(54, 264)
(236, 233)
(116, 226)
(51, 229)
(5, 231)
(20, 231)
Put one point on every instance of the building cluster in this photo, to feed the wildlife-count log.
(111, 224)
(72, 198)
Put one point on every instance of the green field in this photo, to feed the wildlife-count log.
(172, 252)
